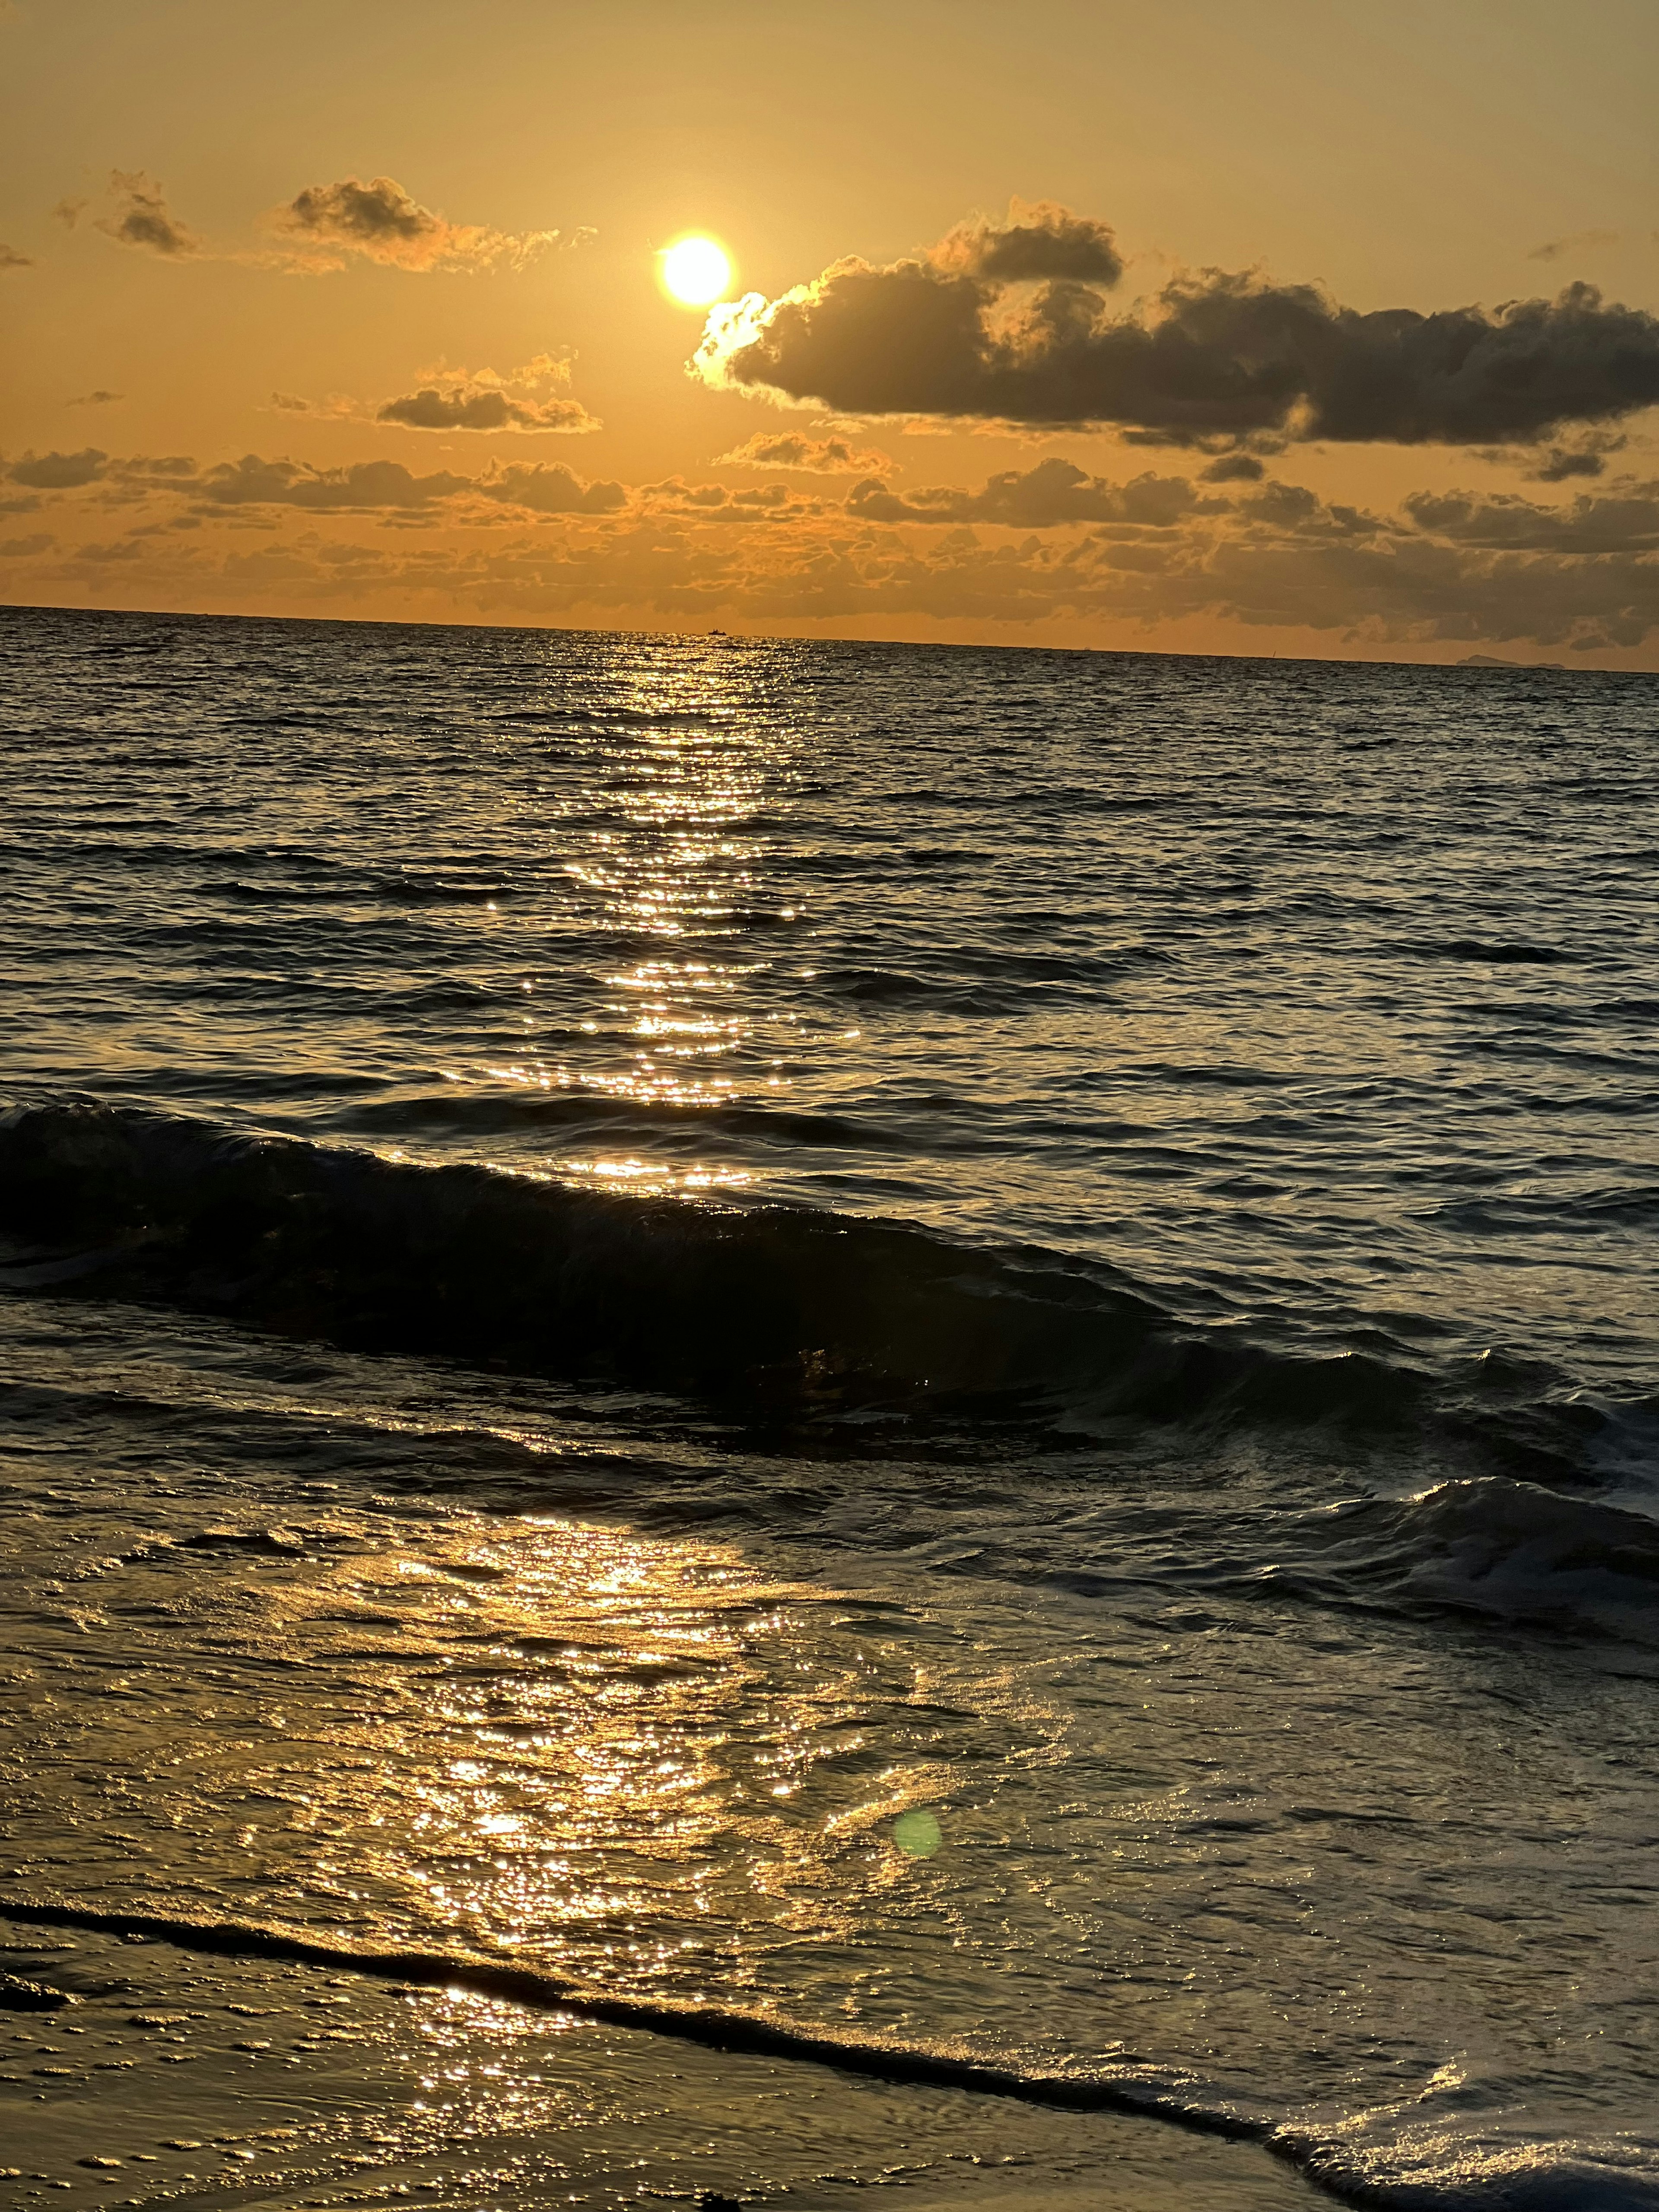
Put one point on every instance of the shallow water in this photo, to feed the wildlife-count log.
(941, 1347)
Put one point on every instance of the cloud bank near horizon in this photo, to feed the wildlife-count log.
(1025, 549)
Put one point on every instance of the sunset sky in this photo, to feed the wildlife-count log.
(1081, 322)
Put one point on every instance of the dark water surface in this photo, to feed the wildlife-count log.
(943, 1346)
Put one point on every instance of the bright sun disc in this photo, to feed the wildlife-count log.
(695, 272)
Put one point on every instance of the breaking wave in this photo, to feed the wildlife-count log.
(768, 1307)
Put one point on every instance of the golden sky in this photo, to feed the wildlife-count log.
(1082, 323)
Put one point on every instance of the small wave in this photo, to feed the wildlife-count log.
(1490, 1544)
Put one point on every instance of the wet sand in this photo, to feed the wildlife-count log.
(173, 2080)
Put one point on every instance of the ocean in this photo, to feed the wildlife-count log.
(784, 1417)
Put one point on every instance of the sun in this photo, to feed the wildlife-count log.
(695, 272)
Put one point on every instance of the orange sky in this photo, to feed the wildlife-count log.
(194, 381)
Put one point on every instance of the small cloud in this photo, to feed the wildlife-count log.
(483, 399)
(550, 488)
(11, 259)
(141, 217)
(487, 409)
(1585, 456)
(379, 221)
(253, 482)
(1040, 242)
(59, 471)
(1233, 468)
(818, 457)
(95, 399)
(1577, 241)
(69, 212)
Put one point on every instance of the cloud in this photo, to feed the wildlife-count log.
(463, 399)
(1577, 241)
(483, 409)
(1234, 468)
(59, 471)
(379, 221)
(1213, 357)
(99, 398)
(254, 481)
(1592, 525)
(1040, 240)
(1053, 493)
(69, 212)
(389, 486)
(550, 488)
(11, 259)
(141, 217)
(1051, 551)
(716, 503)
(818, 457)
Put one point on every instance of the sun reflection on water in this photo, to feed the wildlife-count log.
(630, 1756)
(655, 818)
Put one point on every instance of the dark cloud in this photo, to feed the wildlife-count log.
(483, 407)
(1592, 526)
(1586, 457)
(550, 488)
(1215, 357)
(11, 259)
(252, 482)
(1038, 242)
(141, 217)
(1234, 468)
(99, 398)
(1041, 498)
(59, 471)
(383, 222)
(818, 457)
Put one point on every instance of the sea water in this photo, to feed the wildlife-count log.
(942, 1357)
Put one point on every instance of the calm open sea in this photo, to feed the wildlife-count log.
(951, 1351)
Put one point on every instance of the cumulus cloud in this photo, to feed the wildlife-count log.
(1040, 240)
(11, 259)
(1213, 357)
(379, 221)
(818, 457)
(463, 399)
(252, 482)
(141, 217)
(483, 408)
(717, 502)
(59, 471)
(550, 488)
(1234, 468)
(1053, 493)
